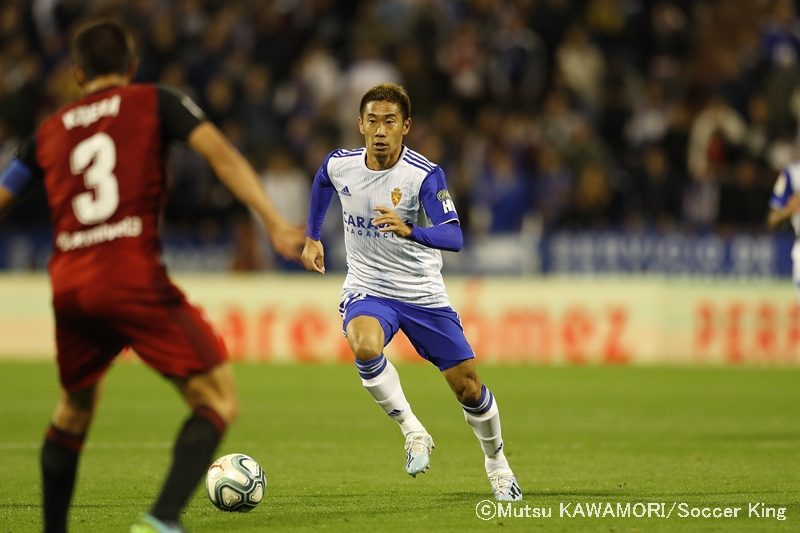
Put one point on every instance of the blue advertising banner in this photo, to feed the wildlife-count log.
(573, 253)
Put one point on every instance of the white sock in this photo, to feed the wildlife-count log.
(382, 381)
(485, 421)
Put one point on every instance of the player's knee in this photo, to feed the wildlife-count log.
(231, 409)
(468, 390)
(225, 403)
(225, 407)
(364, 349)
(73, 416)
(214, 390)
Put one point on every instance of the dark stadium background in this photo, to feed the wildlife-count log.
(611, 162)
(568, 129)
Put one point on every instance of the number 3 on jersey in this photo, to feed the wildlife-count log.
(95, 158)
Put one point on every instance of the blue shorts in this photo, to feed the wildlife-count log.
(435, 332)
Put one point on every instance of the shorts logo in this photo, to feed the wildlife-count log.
(442, 195)
(397, 194)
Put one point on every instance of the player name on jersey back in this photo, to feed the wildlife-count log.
(86, 115)
(130, 226)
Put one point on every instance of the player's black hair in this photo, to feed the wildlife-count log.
(387, 92)
(102, 47)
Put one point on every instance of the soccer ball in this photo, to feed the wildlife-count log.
(235, 482)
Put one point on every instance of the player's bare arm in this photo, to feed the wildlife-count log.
(390, 221)
(6, 199)
(779, 216)
(313, 257)
(240, 178)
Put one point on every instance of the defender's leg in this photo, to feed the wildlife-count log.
(61, 453)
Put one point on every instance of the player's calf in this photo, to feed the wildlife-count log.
(59, 463)
(193, 452)
(484, 418)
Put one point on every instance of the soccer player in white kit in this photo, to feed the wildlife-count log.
(397, 217)
(785, 206)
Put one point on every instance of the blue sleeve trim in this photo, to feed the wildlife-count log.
(321, 194)
(435, 198)
(442, 237)
(415, 164)
(780, 201)
(16, 178)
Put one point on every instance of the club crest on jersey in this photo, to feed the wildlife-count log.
(443, 195)
(397, 194)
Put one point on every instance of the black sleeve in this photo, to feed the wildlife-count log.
(26, 154)
(178, 114)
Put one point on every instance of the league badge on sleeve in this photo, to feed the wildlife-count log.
(397, 194)
(447, 203)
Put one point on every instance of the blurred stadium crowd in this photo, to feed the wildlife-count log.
(670, 115)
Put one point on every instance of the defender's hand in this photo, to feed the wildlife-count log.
(389, 220)
(314, 256)
(287, 240)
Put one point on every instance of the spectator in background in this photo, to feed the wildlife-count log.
(649, 122)
(463, 59)
(553, 187)
(780, 38)
(543, 78)
(582, 66)
(670, 31)
(757, 136)
(517, 62)
(742, 197)
(593, 200)
(503, 192)
(557, 121)
(284, 181)
(716, 133)
(320, 73)
(255, 110)
(289, 187)
(368, 69)
(658, 189)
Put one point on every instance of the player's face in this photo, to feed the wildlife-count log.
(383, 128)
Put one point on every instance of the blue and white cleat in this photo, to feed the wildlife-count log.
(505, 486)
(418, 453)
(151, 524)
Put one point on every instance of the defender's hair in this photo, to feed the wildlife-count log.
(388, 92)
(102, 47)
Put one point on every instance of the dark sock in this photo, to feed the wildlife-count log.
(193, 452)
(59, 462)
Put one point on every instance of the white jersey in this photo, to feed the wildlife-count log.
(383, 264)
(787, 185)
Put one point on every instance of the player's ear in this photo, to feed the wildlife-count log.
(406, 125)
(133, 68)
(79, 75)
(360, 125)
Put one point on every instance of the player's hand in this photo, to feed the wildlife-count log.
(314, 256)
(793, 205)
(287, 240)
(390, 221)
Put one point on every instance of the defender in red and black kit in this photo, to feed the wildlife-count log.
(102, 162)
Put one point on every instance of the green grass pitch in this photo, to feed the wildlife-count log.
(705, 437)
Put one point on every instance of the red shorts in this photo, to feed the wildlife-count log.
(93, 325)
